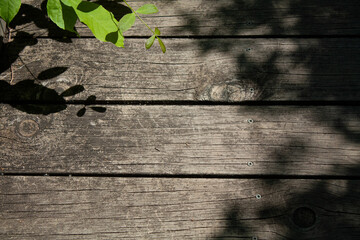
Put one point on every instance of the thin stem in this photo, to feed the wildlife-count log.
(139, 17)
(11, 68)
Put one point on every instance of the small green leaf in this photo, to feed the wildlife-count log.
(147, 9)
(157, 32)
(62, 15)
(150, 42)
(126, 22)
(9, 9)
(162, 45)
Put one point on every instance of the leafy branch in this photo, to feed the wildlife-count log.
(101, 22)
(129, 19)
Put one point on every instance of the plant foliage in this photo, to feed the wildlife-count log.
(101, 22)
(9, 9)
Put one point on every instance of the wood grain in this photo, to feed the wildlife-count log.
(217, 18)
(147, 208)
(229, 70)
(284, 140)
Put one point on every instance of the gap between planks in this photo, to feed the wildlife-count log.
(186, 176)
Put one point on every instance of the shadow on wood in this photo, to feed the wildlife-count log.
(328, 209)
(303, 60)
(307, 214)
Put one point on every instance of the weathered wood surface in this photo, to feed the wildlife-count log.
(148, 208)
(217, 58)
(181, 140)
(218, 17)
(227, 70)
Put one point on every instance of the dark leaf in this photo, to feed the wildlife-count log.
(51, 73)
(99, 109)
(90, 100)
(72, 91)
(81, 112)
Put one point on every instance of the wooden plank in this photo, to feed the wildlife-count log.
(238, 140)
(230, 70)
(147, 208)
(218, 17)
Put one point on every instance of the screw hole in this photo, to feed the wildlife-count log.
(258, 196)
(250, 121)
(250, 164)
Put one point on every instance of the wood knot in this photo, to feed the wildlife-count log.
(304, 217)
(28, 128)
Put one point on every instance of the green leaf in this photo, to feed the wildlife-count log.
(71, 3)
(62, 15)
(162, 45)
(100, 21)
(9, 9)
(126, 22)
(150, 42)
(147, 9)
(157, 32)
